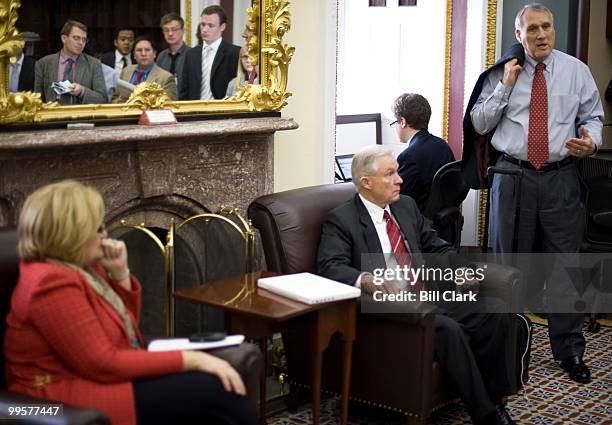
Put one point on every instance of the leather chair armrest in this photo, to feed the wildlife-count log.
(248, 361)
(500, 281)
(416, 314)
(71, 415)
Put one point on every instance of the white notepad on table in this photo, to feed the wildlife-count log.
(308, 288)
(175, 344)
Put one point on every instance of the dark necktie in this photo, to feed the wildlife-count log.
(68, 71)
(537, 139)
(173, 63)
(139, 75)
(398, 247)
(123, 62)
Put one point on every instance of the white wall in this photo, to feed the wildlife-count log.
(305, 157)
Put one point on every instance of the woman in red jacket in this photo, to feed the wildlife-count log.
(72, 332)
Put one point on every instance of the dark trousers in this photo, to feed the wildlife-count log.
(471, 342)
(189, 398)
(551, 221)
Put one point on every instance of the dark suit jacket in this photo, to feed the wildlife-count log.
(223, 71)
(88, 74)
(108, 58)
(478, 153)
(419, 162)
(348, 232)
(26, 75)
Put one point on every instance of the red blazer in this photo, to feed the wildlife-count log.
(66, 343)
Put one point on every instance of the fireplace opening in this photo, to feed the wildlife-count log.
(204, 251)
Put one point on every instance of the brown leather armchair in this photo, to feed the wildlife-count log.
(393, 354)
(246, 358)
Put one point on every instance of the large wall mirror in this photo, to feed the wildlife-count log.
(40, 21)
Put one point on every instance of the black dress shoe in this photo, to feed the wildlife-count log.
(499, 416)
(576, 369)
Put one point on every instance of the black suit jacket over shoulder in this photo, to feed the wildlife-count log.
(349, 233)
(478, 153)
(224, 68)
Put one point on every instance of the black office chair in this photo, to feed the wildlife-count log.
(595, 174)
(448, 191)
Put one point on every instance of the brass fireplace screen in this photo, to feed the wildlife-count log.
(239, 224)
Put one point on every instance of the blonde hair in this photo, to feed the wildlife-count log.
(241, 73)
(57, 220)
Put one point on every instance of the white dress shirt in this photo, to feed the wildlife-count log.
(377, 214)
(14, 71)
(573, 100)
(119, 61)
(208, 56)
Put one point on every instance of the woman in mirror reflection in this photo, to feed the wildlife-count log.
(246, 73)
(72, 331)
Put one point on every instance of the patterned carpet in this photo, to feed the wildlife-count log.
(550, 398)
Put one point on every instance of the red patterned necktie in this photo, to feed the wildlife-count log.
(402, 256)
(537, 140)
(139, 75)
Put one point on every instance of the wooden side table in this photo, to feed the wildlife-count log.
(258, 313)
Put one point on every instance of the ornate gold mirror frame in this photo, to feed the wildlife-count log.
(489, 61)
(270, 20)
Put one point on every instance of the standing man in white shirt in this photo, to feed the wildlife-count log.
(172, 59)
(545, 115)
(209, 67)
(121, 57)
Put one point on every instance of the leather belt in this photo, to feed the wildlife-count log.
(546, 167)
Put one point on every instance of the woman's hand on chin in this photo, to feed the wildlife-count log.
(115, 261)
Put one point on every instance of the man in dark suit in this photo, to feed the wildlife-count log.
(470, 340)
(123, 39)
(21, 73)
(425, 154)
(84, 72)
(209, 67)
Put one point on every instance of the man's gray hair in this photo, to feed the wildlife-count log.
(365, 162)
(538, 7)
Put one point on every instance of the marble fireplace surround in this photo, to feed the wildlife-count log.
(150, 175)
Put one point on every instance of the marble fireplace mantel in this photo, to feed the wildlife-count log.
(190, 166)
(154, 175)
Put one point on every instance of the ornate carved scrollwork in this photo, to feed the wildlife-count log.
(272, 92)
(149, 96)
(14, 107)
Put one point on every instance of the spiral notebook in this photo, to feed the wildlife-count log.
(308, 288)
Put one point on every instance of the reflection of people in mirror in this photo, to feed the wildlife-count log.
(209, 67)
(70, 64)
(21, 73)
(123, 39)
(72, 331)
(246, 73)
(172, 59)
(145, 70)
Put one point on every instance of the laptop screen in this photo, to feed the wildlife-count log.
(344, 166)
